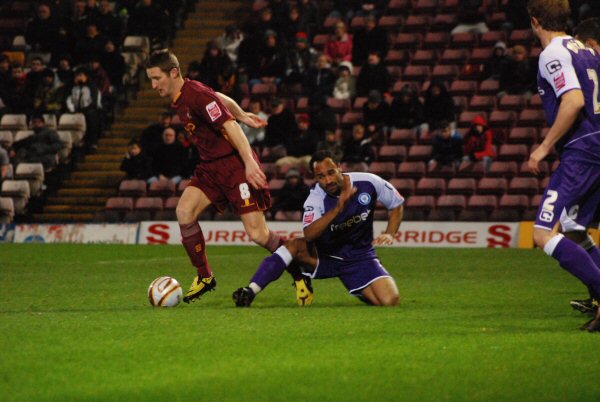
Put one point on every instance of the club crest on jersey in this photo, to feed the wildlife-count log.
(553, 66)
(364, 198)
(213, 110)
(309, 217)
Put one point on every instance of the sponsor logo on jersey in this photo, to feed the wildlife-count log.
(213, 110)
(353, 220)
(309, 217)
(553, 66)
(560, 81)
(364, 198)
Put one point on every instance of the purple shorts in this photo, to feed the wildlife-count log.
(355, 275)
(572, 197)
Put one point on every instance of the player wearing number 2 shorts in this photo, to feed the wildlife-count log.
(228, 175)
(568, 83)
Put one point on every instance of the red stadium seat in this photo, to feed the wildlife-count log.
(522, 135)
(461, 185)
(470, 169)
(182, 185)
(119, 203)
(162, 188)
(503, 169)
(523, 185)
(389, 22)
(439, 170)
(171, 202)
(466, 40)
(424, 6)
(359, 102)
(408, 40)
(132, 188)
(502, 118)
(521, 37)
(414, 170)
(151, 204)
(532, 117)
(419, 153)
(512, 201)
(455, 203)
(482, 102)
(444, 22)
(386, 170)
(339, 105)
(454, 56)
(430, 186)
(393, 153)
(490, 38)
(444, 72)
(512, 102)
(436, 40)
(484, 202)
(417, 23)
(513, 152)
(489, 87)
(481, 55)
(466, 88)
(543, 166)
(351, 118)
(492, 185)
(424, 203)
(398, 6)
(416, 73)
(402, 136)
(424, 57)
(396, 57)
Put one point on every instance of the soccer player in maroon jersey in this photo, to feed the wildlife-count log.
(228, 174)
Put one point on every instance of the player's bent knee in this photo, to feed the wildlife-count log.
(541, 237)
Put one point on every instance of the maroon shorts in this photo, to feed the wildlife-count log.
(224, 183)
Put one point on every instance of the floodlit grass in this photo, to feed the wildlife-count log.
(475, 325)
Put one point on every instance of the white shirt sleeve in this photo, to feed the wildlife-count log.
(313, 209)
(556, 67)
(387, 194)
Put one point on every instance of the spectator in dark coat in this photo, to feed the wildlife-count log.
(91, 45)
(447, 145)
(300, 59)
(407, 110)
(376, 114)
(41, 147)
(109, 23)
(151, 137)
(169, 160)
(438, 105)
(213, 63)
(136, 164)
(300, 145)
(48, 32)
(370, 38)
(114, 64)
(373, 75)
(320, 79)
(358, 149)
(292, 195)
(519, 74)
(147, 19)
(492, 68)
(281, 124)
(322, 116)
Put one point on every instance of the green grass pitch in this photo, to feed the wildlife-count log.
(474, 325)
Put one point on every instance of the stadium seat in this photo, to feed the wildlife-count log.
(444, 72)
(357, 22)
(320, 40)
(106, 216)
(522, 135)
(64, 154)
(454, 56)
(490, 38)
(402, 137)
(461, 185)
(171, 202)
(430, 186)
(398, 6)
(132, 188)
(502, 118)
(512, 102)
(532, 117)
(339, 105)
(271, 154)
(443, 23)
(416, 72)
(19, 191)
(504, 215)
(23, 134)
(435, 40)
(481, 55)
(414, 170)
(75, 124)
(395, 57)
(466, 40)
(424, 6)
(454, 203)
(349, 119)
(514, 201)
(393, 153)
(492, 185)
(34, 174)
(521, 37)
(13, 122)
(513, 152)
(406, 187)
(389, 22)
(162, 188)
(359, 102)
(442, 215)
(7, 210)
(275, 186)
(482, 102)
(6, 137)
(263, 90)
(408, 40)
(182, 185)
(489, 87)
(440, 170)
(535, 102)
(470, 215)
(417, 23)
(470, 169)
(120, 204)
(151, 204)
(419, 153)
(484, 202)
(424, 203)
(384, 169)
(507, 169)
(425, 57)
(464, 88)
(523, 185)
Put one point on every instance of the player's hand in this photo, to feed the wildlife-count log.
(345, 196)
(255, 176)
(384, 239)
(252, 120)
(536, 157)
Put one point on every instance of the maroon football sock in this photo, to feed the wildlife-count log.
(193, 242)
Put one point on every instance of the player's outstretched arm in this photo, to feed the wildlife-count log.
(570, 105)
(394, 219)
(234, 134)
(316, 229)
(250, 119)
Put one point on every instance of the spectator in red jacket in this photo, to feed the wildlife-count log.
(339, 46)
(478, 142)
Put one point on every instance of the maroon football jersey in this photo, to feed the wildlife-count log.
(203, 114)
